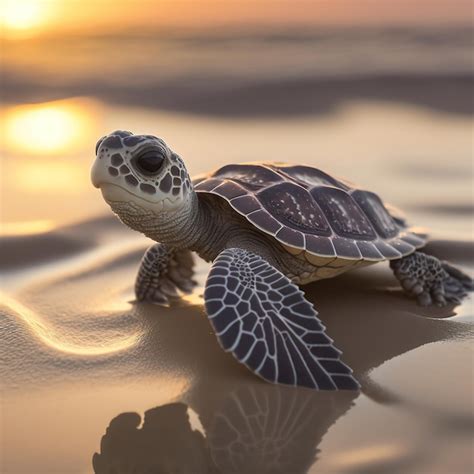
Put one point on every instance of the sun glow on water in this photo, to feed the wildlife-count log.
(25, 228)
(50, 128)
(46, 148)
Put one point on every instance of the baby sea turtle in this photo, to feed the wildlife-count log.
(267, 228)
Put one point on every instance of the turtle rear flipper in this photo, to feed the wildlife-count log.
(260, 316)
(430, 280)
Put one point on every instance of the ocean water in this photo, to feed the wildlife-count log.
(238, 72)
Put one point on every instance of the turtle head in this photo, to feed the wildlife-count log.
(139, 175)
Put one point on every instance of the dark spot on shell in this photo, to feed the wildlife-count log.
(117, 159)
(113, 171)
(175, 171)
(112, 141)
(175, 191)
(165, 184)
(130, 179)
(133, 140)
(176, 182)
(124, 169)
(148, 188)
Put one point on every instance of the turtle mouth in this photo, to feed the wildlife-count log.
(115, 193)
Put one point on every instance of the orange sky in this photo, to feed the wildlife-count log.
(29, 17)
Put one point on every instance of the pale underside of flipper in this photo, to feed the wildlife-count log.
(263, 319)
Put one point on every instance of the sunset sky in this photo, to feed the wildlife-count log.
(24, 18)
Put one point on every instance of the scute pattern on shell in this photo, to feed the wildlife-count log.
(304, 208)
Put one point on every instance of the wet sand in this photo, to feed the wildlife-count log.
(90, 378)
(84, 361)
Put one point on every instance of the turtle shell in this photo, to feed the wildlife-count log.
(310, 211)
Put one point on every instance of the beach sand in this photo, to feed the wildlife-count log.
(91, 378)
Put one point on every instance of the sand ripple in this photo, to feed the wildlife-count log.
(60, 340)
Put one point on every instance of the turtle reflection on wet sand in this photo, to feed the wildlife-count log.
(254, 428)
(267, 228)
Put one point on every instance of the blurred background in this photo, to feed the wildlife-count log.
(374, 90)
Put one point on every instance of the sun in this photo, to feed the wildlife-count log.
(51, 128)
(23, 17)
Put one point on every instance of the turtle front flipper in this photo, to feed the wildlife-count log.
(430, 280)
(163, 271)
(260, 316)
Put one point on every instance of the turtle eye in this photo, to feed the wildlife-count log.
(97, 145)
(150, 161)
